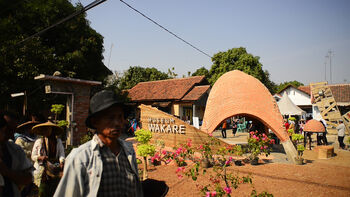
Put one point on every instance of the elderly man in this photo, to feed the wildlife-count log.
(15, 168)
(106, 165)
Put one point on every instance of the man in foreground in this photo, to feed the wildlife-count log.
(106, 165)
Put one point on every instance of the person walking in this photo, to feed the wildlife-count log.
(105, 165)
(48, 156)
(341, 134)
(234, 126)
(223, 129)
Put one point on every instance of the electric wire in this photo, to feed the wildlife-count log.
(178, 37)
(84, 9)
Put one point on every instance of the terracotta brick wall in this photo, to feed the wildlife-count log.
(237, 93)
(80, 111)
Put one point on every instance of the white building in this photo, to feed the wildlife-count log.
(301, 97)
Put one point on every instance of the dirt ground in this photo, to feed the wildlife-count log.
(330, 177)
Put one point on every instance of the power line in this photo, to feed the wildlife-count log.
(165, 29)
(84, 9)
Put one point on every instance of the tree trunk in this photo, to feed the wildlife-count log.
(145, 175)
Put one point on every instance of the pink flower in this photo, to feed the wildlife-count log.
(200, 147)
(210, 134)
(189, 143)
(265, 147)
(213, 193)
(164, 152)
(178, 169)
(261, 147)
(228, 161)
(228, 190)
(207, 194)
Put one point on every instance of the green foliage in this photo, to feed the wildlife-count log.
(300, 148)
(283, 85)
(298, 143)
(292, 119)
(145, 150)
(259, 143)
(143, 136)
(171, 73)
(202, 71)
(297, 137)
(86, 138)
(254, 193)
(221, 181)
(136, 74)
(73, 47)
(57, 109)
(235, 149)
(239, 59)
(63, 123)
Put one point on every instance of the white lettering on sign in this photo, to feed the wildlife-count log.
(165, 125)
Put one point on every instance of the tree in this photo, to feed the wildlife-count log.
(239, 59)
(283, 85)
(73, 47)
(202, 71)
(144, 149)
(136, 74)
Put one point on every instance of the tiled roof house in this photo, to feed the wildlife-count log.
(184, 97)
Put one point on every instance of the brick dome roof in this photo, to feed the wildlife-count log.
(237, 93)
(314, 126)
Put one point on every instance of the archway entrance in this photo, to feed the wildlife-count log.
(236, 93)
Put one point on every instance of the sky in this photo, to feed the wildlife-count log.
(291, 37)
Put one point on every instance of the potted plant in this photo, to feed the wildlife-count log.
(144, 149)
(299, 159)
(297, 140)
(258, 143)
(206, 152)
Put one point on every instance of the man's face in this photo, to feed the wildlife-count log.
(110, 122)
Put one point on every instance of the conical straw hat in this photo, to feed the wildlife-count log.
(40, 129)
(26, 126)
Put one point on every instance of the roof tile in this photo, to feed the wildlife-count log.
(170, 89)
(196, 93)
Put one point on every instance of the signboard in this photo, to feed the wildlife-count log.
(171, 130)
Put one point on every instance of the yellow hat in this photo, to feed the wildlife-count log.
(40, 129)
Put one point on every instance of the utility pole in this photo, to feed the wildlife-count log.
(325, 68)
(110, 54)
(330, 53)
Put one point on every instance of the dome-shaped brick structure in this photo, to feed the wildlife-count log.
(237, 93)
(314, 126)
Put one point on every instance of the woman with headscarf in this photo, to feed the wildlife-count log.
(48, 156)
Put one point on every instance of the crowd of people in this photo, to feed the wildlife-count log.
(237, 123)
(32, 156)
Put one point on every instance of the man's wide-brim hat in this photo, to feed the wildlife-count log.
(41, 129)
(26, 126)
(101, 101)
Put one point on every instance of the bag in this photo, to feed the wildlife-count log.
(52, 170)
